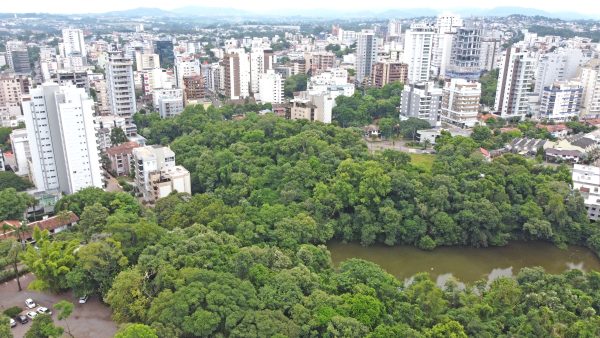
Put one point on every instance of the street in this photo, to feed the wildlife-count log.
(89, 320)
(394, 145)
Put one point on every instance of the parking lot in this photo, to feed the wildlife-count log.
(89, 320)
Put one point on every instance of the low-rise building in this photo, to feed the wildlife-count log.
(168, 102)
(316, 107)
(121, 158)
(167, 180)
(586, 180)
(148, 160)
(460, 102)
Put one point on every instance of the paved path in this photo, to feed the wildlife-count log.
(89, 320)
(395, 145)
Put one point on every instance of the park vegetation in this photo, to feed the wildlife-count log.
(246, 255)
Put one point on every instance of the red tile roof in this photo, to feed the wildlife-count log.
(50, 224)
(126, 147)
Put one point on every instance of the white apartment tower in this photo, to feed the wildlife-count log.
(561, 101)
(366, 54)
(394, 29)
(236, 74)
(261, 60)
(271, 87)
(586, 180)
(515, 82)
(73, 42)
(169, 102)
(185, 66)
(418, 48)
(590, 79)
(121, 89)
(460, 102)
(62, 138)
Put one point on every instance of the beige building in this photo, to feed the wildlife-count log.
(121, 158)
(388, 72)
(168, 180)
(12, 88)
(316, 107)
(318, 62)
(460, 102)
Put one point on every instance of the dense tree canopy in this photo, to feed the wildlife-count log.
(244, 256)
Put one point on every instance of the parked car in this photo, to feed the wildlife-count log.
(32, 314)
(29, 303)
(13, 323)
(83, 299)
(43, 311)
(22, 319)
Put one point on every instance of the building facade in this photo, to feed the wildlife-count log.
(586, 180)
(121, 89)
(561, 102)
(515, 83)
(460, 102)
(388, 72)
(62, 138)
(366, 54)
(418, 49)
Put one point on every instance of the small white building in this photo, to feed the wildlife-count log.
(168, 180)
(561, 101)
(586, 180)
(148, 160)
(20, 147)
(168, 102)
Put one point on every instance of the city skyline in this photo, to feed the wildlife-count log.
(263, 6)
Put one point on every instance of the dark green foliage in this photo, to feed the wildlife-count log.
(489, 82)
(8, 179)
(12, 312)
(244, 256)
(117, 136)
(295, 83)
(359, 110)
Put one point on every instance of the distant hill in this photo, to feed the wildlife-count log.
(210, 11)
(139, 12)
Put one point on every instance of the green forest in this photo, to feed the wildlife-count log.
(245, 255)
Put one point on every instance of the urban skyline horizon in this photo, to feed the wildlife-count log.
(257, 7)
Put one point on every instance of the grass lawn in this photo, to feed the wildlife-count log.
(424, 161)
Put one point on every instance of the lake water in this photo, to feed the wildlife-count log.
(468, 264)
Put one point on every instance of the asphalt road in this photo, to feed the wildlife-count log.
(89, 320)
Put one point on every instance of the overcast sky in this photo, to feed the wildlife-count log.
(589, 7)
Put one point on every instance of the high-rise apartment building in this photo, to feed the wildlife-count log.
(561, 102)
(387, 72)
(168, 102)
(20, 146)
(421, 100)
(73, 42)
(185, 66)
(515, 82)
(121, 89)
(62, 138)
(366, 54)
(271, 87)
(586, 180)
(465, 55)
(318, 62)
(145, 61)
(394, 29)
(418, 48)
(236, 68)
(194, 88)
(11, 91)
(460, 102)
(14, 46)
(590, 79)
(261, 60)
(446, 26)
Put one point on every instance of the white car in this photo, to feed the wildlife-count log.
(13, 323)
(29, 303)
(43, 311)
(83, 299)
(32, 315)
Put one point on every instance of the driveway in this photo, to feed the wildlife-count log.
(399, 145)
(89, 320)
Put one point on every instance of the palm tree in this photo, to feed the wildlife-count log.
(13, 254)
(6, 227)
(21, 230)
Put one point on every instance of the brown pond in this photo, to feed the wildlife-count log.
(468, 264)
